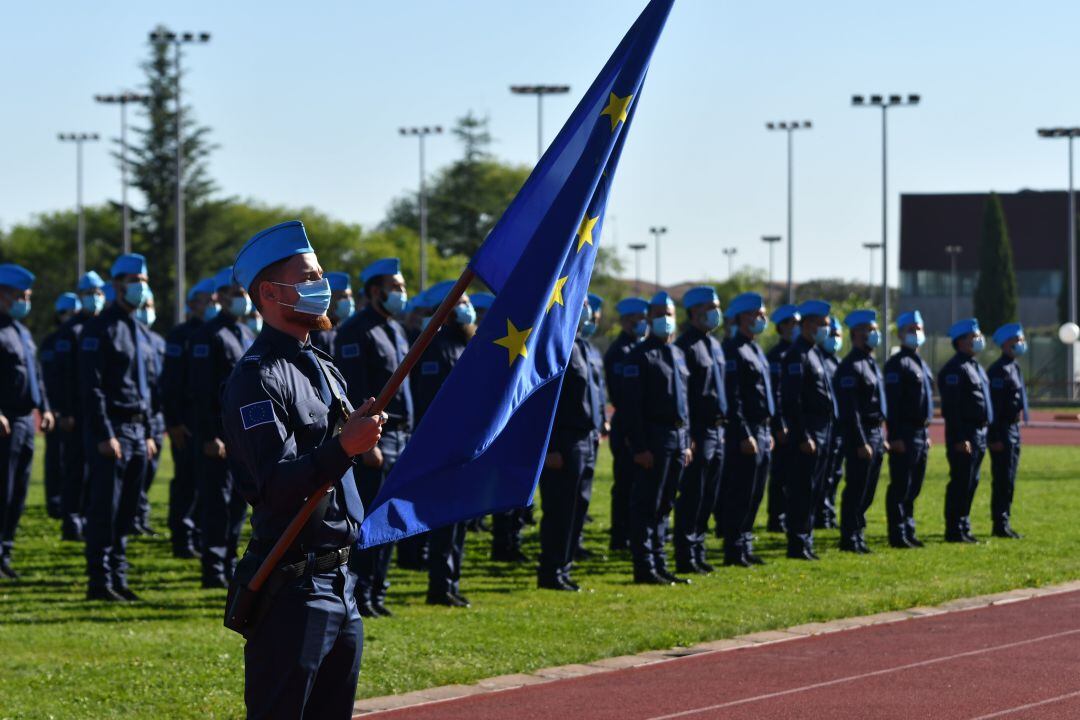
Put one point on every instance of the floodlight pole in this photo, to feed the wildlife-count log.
(789, 128)
(80, 233)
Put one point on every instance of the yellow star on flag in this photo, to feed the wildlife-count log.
(616, 109)
(584, 233)
(556, 293)
(515, 341)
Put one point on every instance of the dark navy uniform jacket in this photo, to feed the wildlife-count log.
(435, 365)
(155, 357)
(708, 398)
(860, 396)
(324, 340)
(109, 376)
(280, 442)
(775, 356)
(965, 397)
(175, 401)
(581, 406)
(216, 348)
(654, 393)
(67, 393)
(1008, 395)
(832, 363)
(807, 396)
(18, 360)
(749, 389)
(909, 389)
(50, 368)
(368, 349)
(613, 365)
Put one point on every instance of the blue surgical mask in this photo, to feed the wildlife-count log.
(93, 302)
(873, 338)
(346, 306)
(146, 316)
(759, 326)
(978, 344)
(211, 311)
(733, 330)
(663, 326)
(464, 314)
(821, 334)
(424, 322)
(395, 302)
(20, 309)
(793, 333)
(254, 324)
(1019, 348)
(915, 340)
(137, 293)
(240, 306)
(712, 318)
(314, 296)
(588, 328)
(641, 328)
(833, 344)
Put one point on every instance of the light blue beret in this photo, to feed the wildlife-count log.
(435, 294)
(785, 312)
(267, 247)
(223, 278)
(339, 281)
(856, 318)
(109, 292)
(68, 301)
(16, 276)
(129, 264)
(960, 328)
(632, 306)
(909, 318)
(746, 302)
(386, 266)
(482, 300)
(1007, 332)
(661, 298)
(90, 281)
(420, 301)
(815, 307)
(595, 302)
(697, 295)
(206, 285)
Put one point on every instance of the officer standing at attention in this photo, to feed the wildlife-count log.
(216, 348)
(22, 391)
(635, 327)
(447, 544)
(747, 440)
(1009, 399)
(73, 489)
(909, 389)
(179, 419)
(155, 359)
(368, 348)
(66, 306)
(808, 407)
(967, 409)
(282, 420)
(115, 384)
(786, 319)
(861, 397)
(657, 415)
(342, 306)
(825, 517)
(708, 406)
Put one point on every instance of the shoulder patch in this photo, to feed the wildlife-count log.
(430, 367)
(202, 350)
(794, 368)
(892, 378)
(631, 371)
(89, 344)
(351, 350)
(62, 346)
(848, 381)
(997, 383)
(173, 350)
(257, 413)
(952, 379)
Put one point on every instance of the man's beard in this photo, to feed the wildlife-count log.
(307, 320)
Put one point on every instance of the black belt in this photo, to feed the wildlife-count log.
(318, 564)
(128, 416)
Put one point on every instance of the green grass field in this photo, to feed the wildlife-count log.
(169, 656)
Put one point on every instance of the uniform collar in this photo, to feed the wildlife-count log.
(282, 343)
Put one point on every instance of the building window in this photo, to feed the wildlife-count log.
(937, 283)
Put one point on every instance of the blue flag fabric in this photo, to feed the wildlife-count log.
(480, 446)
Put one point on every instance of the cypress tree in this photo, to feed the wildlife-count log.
(995, 293)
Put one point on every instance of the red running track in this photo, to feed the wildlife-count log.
(1017, 661)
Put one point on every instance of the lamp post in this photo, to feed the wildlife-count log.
(539, 91)
(953, 251)
(80, 233)
(178, 40)
(729, 253)
(789, 128)
(871, 246)
(771, 241)
(657, 232)
(1069, 133)
(420, 133)
(637, 248)
(122, 100)
(884, 103)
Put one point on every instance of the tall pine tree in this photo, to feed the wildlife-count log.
(995, 292)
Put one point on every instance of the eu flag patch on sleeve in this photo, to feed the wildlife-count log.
(258, 413)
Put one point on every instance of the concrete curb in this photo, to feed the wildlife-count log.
(367, 707)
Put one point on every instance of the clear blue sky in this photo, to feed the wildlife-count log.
(305, 100)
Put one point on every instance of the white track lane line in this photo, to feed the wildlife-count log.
(861, 676)
(1019, 708)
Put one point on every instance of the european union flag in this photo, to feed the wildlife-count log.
(481, 444)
